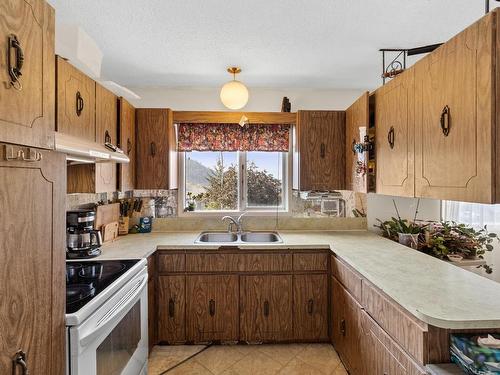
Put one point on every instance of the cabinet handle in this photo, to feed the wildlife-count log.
(20, 155)
(153, 149)
(266, 308)
(211, 307)
(107, 137)
(15, 67)
(129, 146)
(342, 327)
(391, 137)
(171, 308)
(79, 103)
(322, 151)
(20, 361)
(445, 121)
(353, 146)
(310, 306)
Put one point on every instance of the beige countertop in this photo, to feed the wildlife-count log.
(434, 291)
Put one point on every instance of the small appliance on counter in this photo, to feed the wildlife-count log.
(82, 240)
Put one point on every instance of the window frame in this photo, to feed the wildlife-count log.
(242, 189)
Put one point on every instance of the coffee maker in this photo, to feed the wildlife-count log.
(82, 240)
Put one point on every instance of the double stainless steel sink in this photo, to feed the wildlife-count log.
(239, 238)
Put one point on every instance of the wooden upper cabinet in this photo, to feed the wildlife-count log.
(319, 158)
(75, 102)
(98, 177)
(33, 261)
(357, 123)
(455, 147)
(212, 308)
(106, 116)
(126, 179)
(394, 140)
(152, 131)
(27, 109)
(266, 308)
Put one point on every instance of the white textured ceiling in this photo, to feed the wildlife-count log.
(287, 43)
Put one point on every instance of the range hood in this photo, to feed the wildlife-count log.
(78, 150)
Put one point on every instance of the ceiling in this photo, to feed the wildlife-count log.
(326, 44)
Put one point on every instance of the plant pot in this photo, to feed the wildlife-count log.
(408, 239)
(455, 257)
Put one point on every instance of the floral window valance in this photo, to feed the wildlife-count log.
(233, 137)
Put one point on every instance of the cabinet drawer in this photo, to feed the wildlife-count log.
(310, 262)
(222, 262)
(265, 262)
(171, 263)
(347, 277)
(385, 355)
(215, 262)
(406, 330)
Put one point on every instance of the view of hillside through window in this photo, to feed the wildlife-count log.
(212, 180)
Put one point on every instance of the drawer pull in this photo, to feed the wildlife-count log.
(266, 308)
(211, 307)
(343, 327)
(20, 361)
(152, 147)
(171, 308)
(79, 103)
(310, 306)
(322, 151)
(129, 146)
(391, 137)
(445, 121)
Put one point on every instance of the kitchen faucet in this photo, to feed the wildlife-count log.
(234, 222)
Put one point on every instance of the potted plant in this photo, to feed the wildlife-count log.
(401, 230)
(191, 204)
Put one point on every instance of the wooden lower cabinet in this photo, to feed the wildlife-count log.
(266, 308)
(310, 307)
(32, 238)
(346, 331)
(212, 307)
(171, 309)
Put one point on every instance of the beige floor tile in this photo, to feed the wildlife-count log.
(340, 370)
(253, 364)
(321, 356)
(282, 353)
(164, 357)
(298, 367)
(219, 358)
(191, 367)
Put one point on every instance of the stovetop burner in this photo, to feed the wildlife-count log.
(85, 280)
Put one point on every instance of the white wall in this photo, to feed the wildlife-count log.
(382, 207)
(261, 99)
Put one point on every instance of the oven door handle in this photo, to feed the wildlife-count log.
(122, 306)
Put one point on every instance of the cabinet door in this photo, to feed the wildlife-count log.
(27, 113)
(320, 139)
(171, 309)
(357, 123)
(212, 308)
(152, 148)
(346, 331)
(394, 139)
(128, 145)
(75, 102)
(310, 307)
(266, 308)
(457, 78)
(32, 220)
(106, 131)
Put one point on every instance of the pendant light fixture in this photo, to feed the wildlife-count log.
(234, 94)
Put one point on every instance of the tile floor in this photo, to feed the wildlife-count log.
(291, 359)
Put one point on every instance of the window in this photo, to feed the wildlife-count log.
(235, 180)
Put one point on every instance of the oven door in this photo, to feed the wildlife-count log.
(113, 340)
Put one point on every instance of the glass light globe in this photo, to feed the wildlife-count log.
(234, 95)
